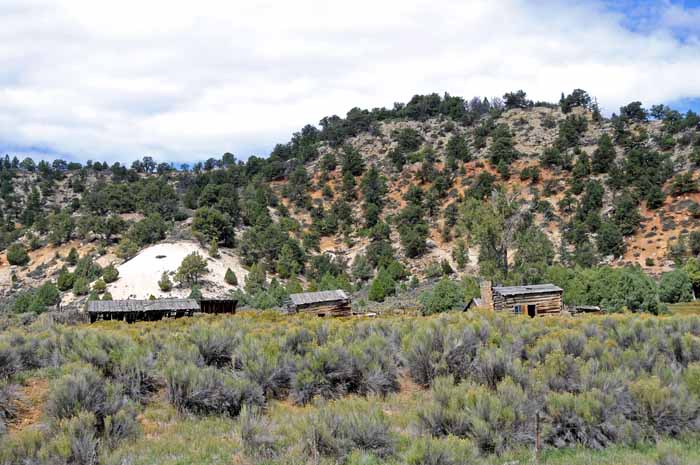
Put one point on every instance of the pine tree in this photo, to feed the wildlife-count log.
(287, 266)
(382, 286)
(230, 277)
(72, 257)
(65, 279)
(80, 286)
(99, 286)
(214, 249)
(195, 293)
(604, 155)
(192, 268)
(256, 280)
(110, 273)
(164, 283)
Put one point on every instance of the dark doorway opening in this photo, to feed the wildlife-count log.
(531, 311)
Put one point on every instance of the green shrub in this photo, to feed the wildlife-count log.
(122, 425)
(65, 280)
(81, 436)
(8, 410)
(17, 255)
(72, 257)
(267, 369)
(424, 352)
(80, 286)
(136, 372)
(258, 434)
(110, 274)
(164, 283)
(591, 419)
(208, 390)
(330, 432)
(494, 420)
(382, 286)
(47, 294)
(444, 296)
(230, 277)
(10, 362)
(215, 345)
(447, 451)
(83, 390)
(663, 409)
(675, 286)
(99, 286)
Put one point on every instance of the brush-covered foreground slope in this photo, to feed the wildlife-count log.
(265, 388)
(413, 185)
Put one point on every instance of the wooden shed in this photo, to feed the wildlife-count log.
(140, 310)
(323, 303)
(217, 305)
(532, 300)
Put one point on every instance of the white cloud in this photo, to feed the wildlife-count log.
(184, 80)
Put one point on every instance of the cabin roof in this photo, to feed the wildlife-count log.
(133, 305)
(306, 298)
(524, 290)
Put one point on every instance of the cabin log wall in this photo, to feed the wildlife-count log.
(547, 304)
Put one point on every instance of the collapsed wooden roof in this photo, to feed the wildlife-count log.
(308, 298)
(103, 306)
(523, 290)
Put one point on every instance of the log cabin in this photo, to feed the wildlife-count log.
(533, 300)
(323, 303)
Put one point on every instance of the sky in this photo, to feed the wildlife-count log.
(183, 81)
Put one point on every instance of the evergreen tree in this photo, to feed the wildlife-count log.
(604, 155)
(17, 255)
(192, 268)
(99, 286)
(80, 286)
(460, 253)
(110, 273)
(165, 284)
(362, 269)
(65, 279)
(214, 249)
(256, 280)
(382, 286)
(230, 277)
(287, 264)
(195, 293)
(458, 148)
(610, 240)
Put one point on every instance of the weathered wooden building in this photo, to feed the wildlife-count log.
(140, 310)
(533, 300)
(323, 303)
(218, 305)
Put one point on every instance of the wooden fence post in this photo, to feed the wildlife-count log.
(538, 445)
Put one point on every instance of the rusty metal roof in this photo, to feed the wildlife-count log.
(134, 305)
(306, 298)
(523, 290)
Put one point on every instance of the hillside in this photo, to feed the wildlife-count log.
(501, 189)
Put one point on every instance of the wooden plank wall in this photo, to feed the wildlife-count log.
(340, 308)
(547, 304)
